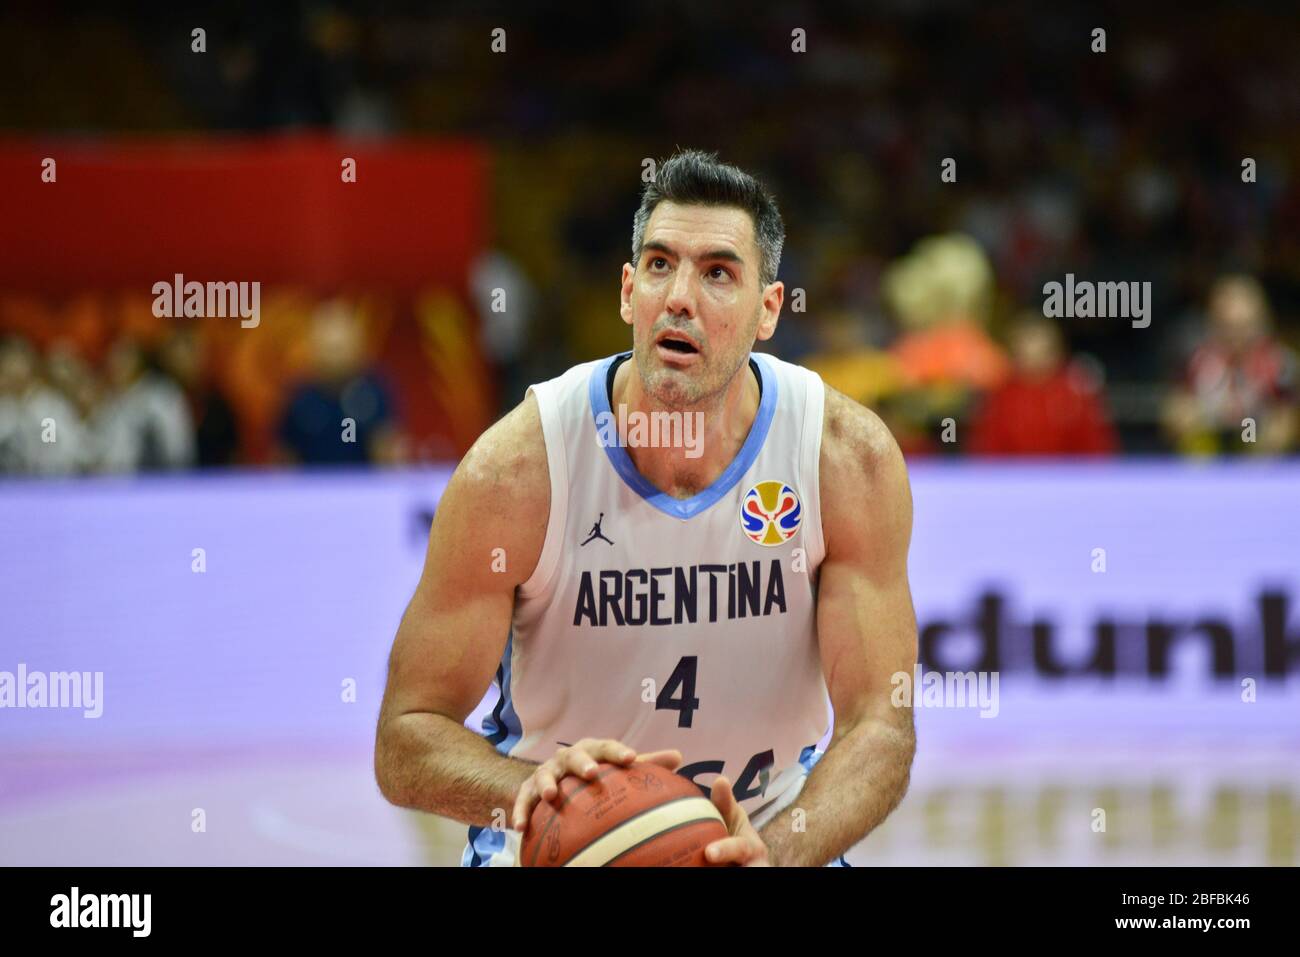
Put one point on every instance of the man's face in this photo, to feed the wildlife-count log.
(694, 301)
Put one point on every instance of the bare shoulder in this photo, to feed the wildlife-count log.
(857, 447)
(499, 495)
(864, 489)
(510, 456)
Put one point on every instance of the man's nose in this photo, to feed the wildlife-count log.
(681, 297)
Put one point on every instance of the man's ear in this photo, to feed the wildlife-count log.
(770, 309)
(625, 293)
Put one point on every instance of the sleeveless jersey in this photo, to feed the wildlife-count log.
(672, 623)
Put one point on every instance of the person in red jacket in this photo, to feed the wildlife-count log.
(1049, 405)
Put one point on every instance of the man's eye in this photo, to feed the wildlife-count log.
(654, 263)
(719, 269)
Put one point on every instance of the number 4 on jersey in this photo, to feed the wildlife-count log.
(683, 676)
(754, 779)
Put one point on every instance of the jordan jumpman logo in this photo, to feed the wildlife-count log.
(596, 532)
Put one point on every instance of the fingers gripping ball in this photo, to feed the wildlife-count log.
(640, 816)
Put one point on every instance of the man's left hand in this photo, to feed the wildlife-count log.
(743, 847)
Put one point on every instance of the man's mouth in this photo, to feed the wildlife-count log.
(677, 343)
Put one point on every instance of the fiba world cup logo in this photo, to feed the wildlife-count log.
(770, 513)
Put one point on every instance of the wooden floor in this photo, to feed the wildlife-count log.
(1225, 806)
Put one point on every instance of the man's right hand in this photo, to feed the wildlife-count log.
(580, 759)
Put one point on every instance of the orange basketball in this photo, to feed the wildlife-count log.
(640, 816)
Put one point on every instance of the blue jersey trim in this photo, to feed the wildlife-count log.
(809, 757)
(685, 507)
(503, 729)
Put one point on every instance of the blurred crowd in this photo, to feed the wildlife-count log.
(161, 408)
(945, 385)
(921, 297)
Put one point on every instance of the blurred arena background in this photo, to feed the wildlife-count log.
(1159, 686)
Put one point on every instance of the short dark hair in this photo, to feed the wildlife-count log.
(696, 177)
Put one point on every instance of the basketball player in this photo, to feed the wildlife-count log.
(639, 602)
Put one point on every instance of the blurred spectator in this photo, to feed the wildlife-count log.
(217, 429)
(1239, 372)
(72, 375)
(343, 413)
(1048, 406)
(506, 301)
(144, 424)
(940, 294)
(41, 431)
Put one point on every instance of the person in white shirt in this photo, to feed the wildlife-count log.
(694, 597)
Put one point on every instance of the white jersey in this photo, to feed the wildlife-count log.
(672, 623)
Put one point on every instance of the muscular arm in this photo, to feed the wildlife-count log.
(866, 630)
(454, 631)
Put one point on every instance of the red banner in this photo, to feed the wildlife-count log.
(92, 226)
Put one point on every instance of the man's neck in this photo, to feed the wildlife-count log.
(719, 427)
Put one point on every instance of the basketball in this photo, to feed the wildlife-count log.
(640, 816)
